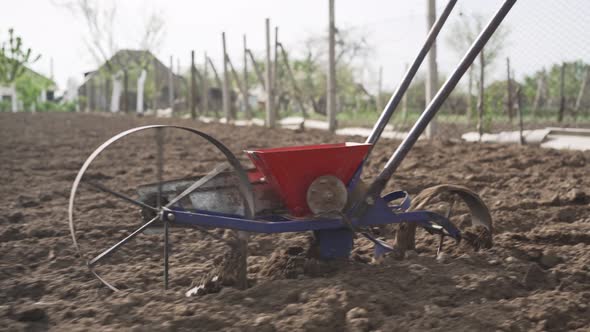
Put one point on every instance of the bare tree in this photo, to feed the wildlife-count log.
(352, 47)
(100, 19)
(103, 40)
(352, 44)
(464, 31)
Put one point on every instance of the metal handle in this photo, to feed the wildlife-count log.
(431, 110)
(408, 77)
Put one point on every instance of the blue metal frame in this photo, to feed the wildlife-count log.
(335, 235)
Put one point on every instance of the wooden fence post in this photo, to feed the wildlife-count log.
(225, 90)
(171, 84)
(193, 92)
(561, 94)
(432, 70)
(405, 103)
(205, 87)
(125, 90)
(243, 91)
(331, 84)
(275, 77)
(257, 70)
(156, 96)
(509, 87)
(247, 108)
(470, 96)
(217, 81)
(270, 114)
(481, 99)
(293, 82)
(539, 94)
(519, 110)
(379, 86)
(582, 90)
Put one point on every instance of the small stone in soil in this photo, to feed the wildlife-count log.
(441, 258)
(15, 217)
(411, 254)
(535, 277)
(418, 269)
(356, 312)
(32, 315)
(576, 196)
(549, 260)
(291, 309)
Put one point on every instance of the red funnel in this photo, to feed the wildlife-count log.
(291, 170)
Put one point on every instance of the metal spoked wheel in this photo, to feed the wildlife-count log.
(463, 208)
(118, 199)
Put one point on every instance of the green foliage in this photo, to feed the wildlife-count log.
(14, 58)
(29, 86)
(573, 80)
(5, 105)
(50, 106)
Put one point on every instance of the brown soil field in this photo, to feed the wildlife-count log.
(536, 277)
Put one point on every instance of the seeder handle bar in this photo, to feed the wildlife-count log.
(400, 153)
(408, 77)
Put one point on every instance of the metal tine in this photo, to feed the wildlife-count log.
(128, 238)
(442, 234)
(103, 188)
(451, 206)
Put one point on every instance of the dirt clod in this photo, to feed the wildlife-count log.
(535, 277)
(32, 315)
(550, 259)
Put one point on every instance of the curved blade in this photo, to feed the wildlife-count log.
(479, 211)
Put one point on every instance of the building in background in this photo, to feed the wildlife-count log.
(30, 92)
(96, 90)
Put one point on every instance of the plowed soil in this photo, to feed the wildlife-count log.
(536, 277)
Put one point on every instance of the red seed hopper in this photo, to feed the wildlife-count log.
(290, 170)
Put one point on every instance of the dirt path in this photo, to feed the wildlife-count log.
(537, 276)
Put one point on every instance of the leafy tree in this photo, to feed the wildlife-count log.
(29, 87)
(464, 31)
(14, 58)
(352, 47)
(575, 72)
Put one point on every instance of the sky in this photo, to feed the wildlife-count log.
(542, 32)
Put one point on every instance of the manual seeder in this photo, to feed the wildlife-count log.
(314, 188)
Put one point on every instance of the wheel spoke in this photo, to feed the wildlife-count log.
(126, 198)
(218, 169)
(114, 248)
